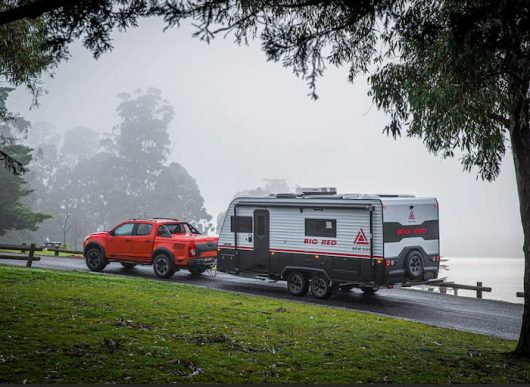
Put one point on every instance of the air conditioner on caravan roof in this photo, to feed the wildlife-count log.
(316, 191)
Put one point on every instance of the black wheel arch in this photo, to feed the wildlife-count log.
(163, 250)
(96, 245)
(305, 270)
(407, 250)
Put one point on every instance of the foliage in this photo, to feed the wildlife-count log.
(13, 188)
(87, 187)
(441, 69)
(25, 54)
(66, 327)
(24, 57)
(271, 186)
(133, 177)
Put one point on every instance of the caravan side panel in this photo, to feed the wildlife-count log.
(344, 253)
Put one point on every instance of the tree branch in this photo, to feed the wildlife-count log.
(500, 119)
(11, 164)
(34, 9)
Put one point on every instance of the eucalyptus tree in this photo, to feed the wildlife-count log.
(15, 214)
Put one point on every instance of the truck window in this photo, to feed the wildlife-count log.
(177, 228)
(164, 231)
(124, 230)
(144, 229)
(241, 224)
(321, 227)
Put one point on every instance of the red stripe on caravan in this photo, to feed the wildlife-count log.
(306, 252)
(324, 253)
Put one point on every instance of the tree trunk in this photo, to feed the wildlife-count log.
(520, 139)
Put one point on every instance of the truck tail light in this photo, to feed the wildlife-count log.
(388, 263)
(191, 251)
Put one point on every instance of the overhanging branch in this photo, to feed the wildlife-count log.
(34, 9)
(11, 164)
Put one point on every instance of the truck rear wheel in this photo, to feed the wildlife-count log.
(297, 284)
(414, 265)
(95, 260)
(320, 287)
(163, 266)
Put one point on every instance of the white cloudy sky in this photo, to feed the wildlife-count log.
(240, 119)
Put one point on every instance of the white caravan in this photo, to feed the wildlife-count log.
(323, 241)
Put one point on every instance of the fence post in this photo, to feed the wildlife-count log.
(56, 252)
(30, 255)
(479, 291)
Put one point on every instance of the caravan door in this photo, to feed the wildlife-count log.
(261, 241)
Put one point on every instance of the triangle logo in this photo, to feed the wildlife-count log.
(361, 239)
(411, 215)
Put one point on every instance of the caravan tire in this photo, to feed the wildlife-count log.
(297, 284)
(320, 287)
(414, 265)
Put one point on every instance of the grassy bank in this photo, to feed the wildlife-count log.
(72, 327)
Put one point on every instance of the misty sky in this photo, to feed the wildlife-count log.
(239, 119)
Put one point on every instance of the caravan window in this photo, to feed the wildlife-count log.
(321, 227)
(241, 224)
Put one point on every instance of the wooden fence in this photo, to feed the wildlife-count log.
(58, 250)
(31, 249)
(478, 288)
(22, 248)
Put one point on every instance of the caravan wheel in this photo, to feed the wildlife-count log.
(297, 284)
(414, 265)
(320, 287)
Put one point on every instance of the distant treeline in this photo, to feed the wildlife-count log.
(87, 182)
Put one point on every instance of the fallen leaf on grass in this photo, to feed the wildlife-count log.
(191, 366)
(131, 324)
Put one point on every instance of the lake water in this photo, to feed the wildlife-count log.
(503, 275)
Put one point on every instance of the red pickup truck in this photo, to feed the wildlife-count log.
(167, 244)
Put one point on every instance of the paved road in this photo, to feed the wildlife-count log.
(494, 318)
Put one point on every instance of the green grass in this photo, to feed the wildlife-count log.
(85, 328)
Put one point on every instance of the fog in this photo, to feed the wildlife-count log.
(239, 119)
